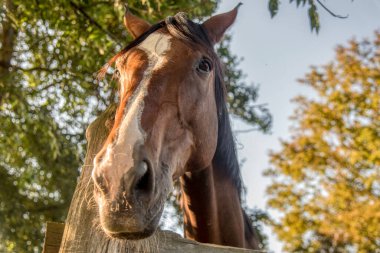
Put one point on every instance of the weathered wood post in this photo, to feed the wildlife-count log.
(53, 237)
(82, 233)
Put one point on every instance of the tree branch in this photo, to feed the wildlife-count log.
(42, 69)
(6, 65)
(246, 130)
(329, 11)
(46, 208)
(38, 69)
(94, 22)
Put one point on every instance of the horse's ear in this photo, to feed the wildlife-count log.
(135, 26)
(217, 25)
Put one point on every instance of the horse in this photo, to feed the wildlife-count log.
(172, 123)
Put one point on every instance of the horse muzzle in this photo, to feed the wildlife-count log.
(128, 206)
(130, 225)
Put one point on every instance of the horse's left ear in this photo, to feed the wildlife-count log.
(135, 26)
(217, 25)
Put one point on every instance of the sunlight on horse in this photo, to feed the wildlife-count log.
(172, 123)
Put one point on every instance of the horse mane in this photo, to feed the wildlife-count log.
(225, 155)
(183, 28)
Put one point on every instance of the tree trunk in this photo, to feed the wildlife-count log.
(8, 38)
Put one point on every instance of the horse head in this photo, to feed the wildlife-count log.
(166, 123)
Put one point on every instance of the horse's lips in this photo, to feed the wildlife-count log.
(134, 235)
(132, 231)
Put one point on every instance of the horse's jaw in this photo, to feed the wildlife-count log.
(133, 224)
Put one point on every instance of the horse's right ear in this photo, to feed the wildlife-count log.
(135, 26)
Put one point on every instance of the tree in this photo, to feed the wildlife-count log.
(326, 177)
(312, 11)
(50, 51)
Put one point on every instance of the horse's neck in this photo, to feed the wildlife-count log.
(212, 208)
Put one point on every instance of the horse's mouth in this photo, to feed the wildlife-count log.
(133, 235)
(130, 228)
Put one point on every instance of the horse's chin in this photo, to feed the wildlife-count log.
(128, 233)
(131, 226)
(133, 235)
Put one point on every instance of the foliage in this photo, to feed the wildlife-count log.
(258, 218)
(49, 53)
(313, 14)
(326, 177)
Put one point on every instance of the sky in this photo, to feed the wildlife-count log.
(276, 53)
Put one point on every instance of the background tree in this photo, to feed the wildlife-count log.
(49, 53)
(312, 10)
(326, 177)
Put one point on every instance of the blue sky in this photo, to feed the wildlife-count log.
(276, 53)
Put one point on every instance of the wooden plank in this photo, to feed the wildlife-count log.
(170, 242)
(53, 237)
(167, 242)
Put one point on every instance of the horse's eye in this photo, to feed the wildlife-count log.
(204, 66)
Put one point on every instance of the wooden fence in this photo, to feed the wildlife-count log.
(169, 242)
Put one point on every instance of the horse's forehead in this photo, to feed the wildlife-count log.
(156, 43)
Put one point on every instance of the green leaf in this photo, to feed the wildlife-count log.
(314, 18)
(273, 7)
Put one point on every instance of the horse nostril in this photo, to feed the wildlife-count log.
(100, 183)
(114, 206)
(144, 183)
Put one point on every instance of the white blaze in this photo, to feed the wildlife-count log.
(130, 131)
